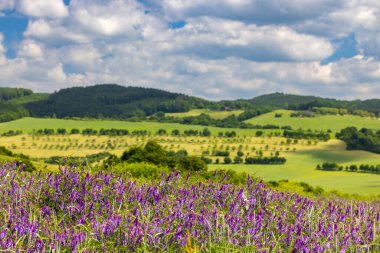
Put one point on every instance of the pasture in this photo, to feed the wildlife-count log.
(28, 124)
(302, 155)
(80, 145)
(325, 122)
(211, 113)
(300, 167)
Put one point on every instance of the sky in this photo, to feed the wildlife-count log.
(216, 49)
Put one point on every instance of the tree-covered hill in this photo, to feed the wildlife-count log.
(112, 101)
(7, 94)
(299, 102)
(120, 102)
(11, 111)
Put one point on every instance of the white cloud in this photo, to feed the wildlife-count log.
(216, 38)
(2, 48)
(56, 74)
(3, 59)
(30, 49)
(114, 18)
(6, 4)
(227, 48)
(43, 8)
(258, 11)
(53, 32)
(82, 57)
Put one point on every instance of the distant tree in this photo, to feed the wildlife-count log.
(206, 132)
(259, 133)
(74, 131)
(175, 132)
(227, 160)
(61, 131)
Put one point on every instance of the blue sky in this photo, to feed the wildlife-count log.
(217, 49)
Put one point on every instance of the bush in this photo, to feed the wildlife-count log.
(265, 160)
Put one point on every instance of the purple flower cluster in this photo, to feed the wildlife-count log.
(77, 211)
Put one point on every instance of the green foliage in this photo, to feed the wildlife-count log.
(265, 160)
(227, 160)
(155, 154)
(221, 153)
(112, 101)
(191, 163)
(12, 93)
(329, 166)
(366, 168)
(12, 133)
(251, 113)
(78, 161)
(301, 134)
(363, 139)
(11, 111)
(143, 170)
(20, 159)
(259, 133)
(298, 102)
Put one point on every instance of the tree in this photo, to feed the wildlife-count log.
(227, 160)
(206, 132)
(175, 132)
(238, 160)
(259, 133)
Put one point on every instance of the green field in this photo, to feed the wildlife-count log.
(333, 122)
(302, 157)
(300, 167)
(212, 114)
(31, 98)
(26, 125)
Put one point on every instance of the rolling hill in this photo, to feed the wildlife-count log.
(120, 102)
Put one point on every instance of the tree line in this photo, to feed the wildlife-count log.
(363, 139)
(367, 168)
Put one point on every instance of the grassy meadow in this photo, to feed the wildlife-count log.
(28, 124)
(300, 167)
(333, 122)
(302, 155)
(211, 113)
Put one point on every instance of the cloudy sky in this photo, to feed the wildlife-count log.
(217, 49)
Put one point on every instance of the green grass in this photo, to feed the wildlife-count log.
(333, 122)
(26, 125)
(300, 167)
(32, 98)
(212, 114)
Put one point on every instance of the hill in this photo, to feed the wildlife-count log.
(7, 94)
(299, 102)
(112, 101)
(11, 111)
(120, 102)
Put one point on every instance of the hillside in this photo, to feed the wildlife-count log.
(112, 101)
(120, 102)
(299, 102)
(11, 111)
(7, 94)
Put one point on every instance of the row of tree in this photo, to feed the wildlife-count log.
(328, 166)
(302, 134)
(231, 121)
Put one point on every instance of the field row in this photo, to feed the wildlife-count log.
(81, 145)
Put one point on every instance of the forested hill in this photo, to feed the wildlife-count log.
(299, 102)
(112, 101)
(120, 102)
(7, 94)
